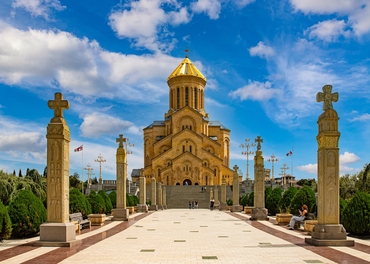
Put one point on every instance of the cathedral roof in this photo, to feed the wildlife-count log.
(218, 124)
(187, 68)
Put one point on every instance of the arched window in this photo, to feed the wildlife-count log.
(186, 96)
(190, 149)
(183, 148)
(195, 97)
(178, 98)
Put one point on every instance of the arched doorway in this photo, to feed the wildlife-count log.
(186, 182)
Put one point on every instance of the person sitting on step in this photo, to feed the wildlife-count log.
(300, 218)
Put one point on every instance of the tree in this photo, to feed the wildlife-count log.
(74, 181)
(27, 213)
(287, 199)
(107, 201)
(20, 173)
(306, 196)
(78, 203)
(45, 175)
(113, 197)
(5, 223)
(273, 200)
(347, 186)
(14, 173)
(97, 203)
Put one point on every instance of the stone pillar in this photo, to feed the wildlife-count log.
(142, 207)
(153, 205)
(259, 212)
(328, 231)
(236, 205)
(160, 196)
(57, 231)
(164, 197)
(223, 205)
(215, 195)
(128, 185)
(121, 213)
(210, 193)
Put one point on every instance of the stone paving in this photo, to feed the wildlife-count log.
(188, 236)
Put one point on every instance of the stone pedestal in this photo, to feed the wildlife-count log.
(57, 235)
(120, 214)
(142, 208)
(223, 204)
(153, 207)
(259, 214)
(236, 206)
(329, 235)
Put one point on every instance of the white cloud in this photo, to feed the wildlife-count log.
(242, 3)
(261, 50)
(348, 157)
(328, 30)
(144, 21)
(23, 141)
(210, 7)
(38, 7)
(363, 117)
(59, 60)
(96, 125)
(255, 91)
(309, 168)
(358, 11)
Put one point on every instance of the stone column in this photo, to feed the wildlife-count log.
(236, 205)
(57, 231)
(223, 205)
(160, 204)
(121, 213)
(259, 212)
(164, 197)
(210, 193)
(142, 207)
(153, 205)
(215, 194)
(328, 231)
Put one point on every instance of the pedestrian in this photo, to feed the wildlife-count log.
(205, 188)
(192, 204)
(196, 204)
(202, 188)
(189, 204)
(212, 202)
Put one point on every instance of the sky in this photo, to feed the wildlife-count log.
(264, 60)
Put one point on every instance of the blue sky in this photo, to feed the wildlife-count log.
(264, 61)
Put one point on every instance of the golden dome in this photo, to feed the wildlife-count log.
(187, 68)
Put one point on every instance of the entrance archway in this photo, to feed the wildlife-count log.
(186, 182)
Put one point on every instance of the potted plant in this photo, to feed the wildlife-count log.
(284, 217)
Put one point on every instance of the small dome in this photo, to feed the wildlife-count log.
(186, 68)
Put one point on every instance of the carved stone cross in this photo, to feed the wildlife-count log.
(327, 97)
(259, 140)
(58, 105)
(120, 140)
(235, 168)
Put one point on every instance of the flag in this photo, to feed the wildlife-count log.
(290, 153)
(80, 148)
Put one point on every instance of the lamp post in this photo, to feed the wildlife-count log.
(283, 171)
(272, 160)
(100, 160)
(89, 173)
(247, 145)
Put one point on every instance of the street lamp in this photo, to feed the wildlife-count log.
(247, 145)
(283, 171)
(272, 160)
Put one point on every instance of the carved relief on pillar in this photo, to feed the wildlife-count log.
(327, 141)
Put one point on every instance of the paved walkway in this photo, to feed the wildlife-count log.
(187, 236)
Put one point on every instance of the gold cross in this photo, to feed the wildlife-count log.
(327, 97)
(259, 140)
(186, 50)
(120, 140)
(58, 105)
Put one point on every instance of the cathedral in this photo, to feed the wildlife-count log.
(186, 148)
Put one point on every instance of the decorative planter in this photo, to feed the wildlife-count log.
(229, 207)
(248, 209)
(131, 209)
(97, 219)
(283, 219)
(309, 225)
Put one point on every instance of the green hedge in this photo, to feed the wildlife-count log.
(107, 201)
(113, 198)
(287, 199)
(78, 203)
(251, 199)
(273, 200)
(5, 223)
(356, 215)
(97, 203)
(306, 196)
(27, 213)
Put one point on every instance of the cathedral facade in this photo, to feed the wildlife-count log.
(186, 148)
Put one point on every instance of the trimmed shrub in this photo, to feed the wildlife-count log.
(129, 200)
(356, 215)
(229, 202)
(287, 199)
(342, 205)
(113, 198)
(268, 191)
(244, 200)
(78, 203)
(27, 213)
(5, 223)
(107, 201)
(136, 200)
(251, 199)
(306, 196)
(97, 203)
(273, 200)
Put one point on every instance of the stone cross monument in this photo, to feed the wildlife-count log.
(58, 231)
(121, 213)
(154, 206)
(236, 205)
(142, 207)
(259, 212)
(160, 203)
(223, 205)
(328, 231)
(215, 195)
(164, 197)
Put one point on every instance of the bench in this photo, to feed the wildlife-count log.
(310, 216)
(79, 222)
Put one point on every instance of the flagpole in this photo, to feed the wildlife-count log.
(291, 170)
(82, 175)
